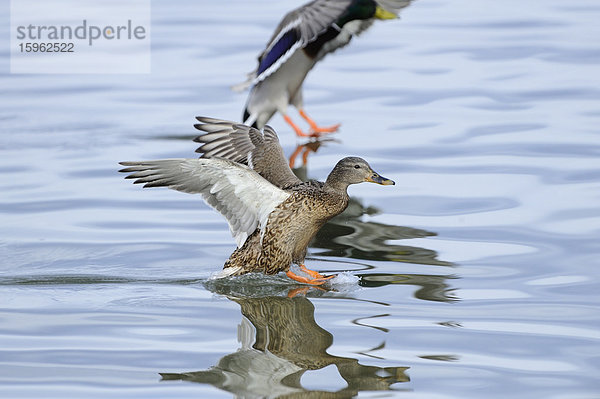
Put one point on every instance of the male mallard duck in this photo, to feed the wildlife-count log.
(303, 37)
(243, 174)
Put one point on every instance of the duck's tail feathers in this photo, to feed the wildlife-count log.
(226, 272)
(250, 119)
(250, 77)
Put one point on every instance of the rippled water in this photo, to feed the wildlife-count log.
(475, 276)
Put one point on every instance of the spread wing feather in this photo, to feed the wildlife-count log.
(246, 145)
(303, 25)
(297, 28)
(241, 195)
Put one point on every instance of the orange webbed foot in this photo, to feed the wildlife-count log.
(315, 130)
(311, 273)
(318, 131)
(296, 128)
(306, 280)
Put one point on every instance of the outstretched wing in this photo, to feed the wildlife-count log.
(298, 28)
(303, 25)
(236, 191)
(246, 145)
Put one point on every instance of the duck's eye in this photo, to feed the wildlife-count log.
(356, 166)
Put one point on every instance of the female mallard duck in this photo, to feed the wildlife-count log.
(243, 174)
(303, 37)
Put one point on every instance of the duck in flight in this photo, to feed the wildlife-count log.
(302, 38)
(243, 174)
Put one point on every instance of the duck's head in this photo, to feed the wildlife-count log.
(354, 170)
(365, 9)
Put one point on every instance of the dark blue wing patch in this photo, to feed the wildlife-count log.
(287, 40)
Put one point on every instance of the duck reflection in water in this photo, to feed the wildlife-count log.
(280, 342)
(304, 151)
(347, 235)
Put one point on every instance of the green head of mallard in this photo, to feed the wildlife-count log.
(362, 10)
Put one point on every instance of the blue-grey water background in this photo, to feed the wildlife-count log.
(479, 269)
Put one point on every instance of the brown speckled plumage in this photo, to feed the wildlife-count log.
(289, 229)
(244, 175)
